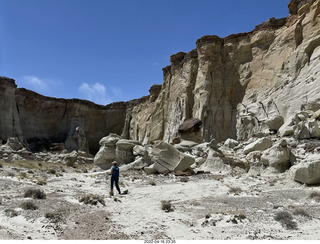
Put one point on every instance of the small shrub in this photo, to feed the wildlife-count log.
(152, 182)
(11, 213)
(54, 217)
(70, 164)
(1, 166)
(23, 175)
(35, 193)
(235, 190)
(11, 174)
(41, 182)
(184, 179)
(166, 206)
(286, 220)
(301, 212)
(0, 200)
(195, 203)
(52, 171)
(92, 199)
(241, 216)
(28, 206)
(315, 195)
(50, 215)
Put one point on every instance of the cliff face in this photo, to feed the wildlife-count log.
(34, 118)
(241, 85)
(235, 87)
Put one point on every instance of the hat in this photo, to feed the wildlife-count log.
(114, 162)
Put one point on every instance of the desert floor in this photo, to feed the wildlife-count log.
(209, 206)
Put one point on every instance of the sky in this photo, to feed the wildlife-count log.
(112, 50)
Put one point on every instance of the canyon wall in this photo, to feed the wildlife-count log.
(239, 86)
(37, 120)
(243, 85)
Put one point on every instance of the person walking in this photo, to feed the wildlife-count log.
(115, 177)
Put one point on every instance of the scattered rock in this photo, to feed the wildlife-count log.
(258, 145)
(167, 158)
(278, 156)
(308, 170)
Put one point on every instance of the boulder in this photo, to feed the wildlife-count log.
(113, 148)
(313, 128)
(259, 145)
(150, 169)
(107, 152)
(109, 140)
(302, 132)
(316, 114)
(231, 143)
(14, 143)
(168, 158)
(124, 150)
(137, 164)
(215, 163)
(286, 130)
(278, 156)
(185, 143)
(139, 150)
(308, 170)
(275, 122)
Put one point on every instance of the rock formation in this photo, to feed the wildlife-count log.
(239, 86)
(260, 84)
(32, 117)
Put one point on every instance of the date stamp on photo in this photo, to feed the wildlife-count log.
(160, 242)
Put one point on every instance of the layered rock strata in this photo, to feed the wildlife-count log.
(243, 85)
(239, 86)
(37, 120)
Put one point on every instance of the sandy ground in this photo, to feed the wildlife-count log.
(204, 207)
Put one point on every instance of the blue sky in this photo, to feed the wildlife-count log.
(107, 51)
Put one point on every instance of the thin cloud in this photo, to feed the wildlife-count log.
(34, 83)
(96, 93)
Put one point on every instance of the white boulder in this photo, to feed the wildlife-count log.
(259, 145)
(168, 158)
(308, 170)
(278, 156)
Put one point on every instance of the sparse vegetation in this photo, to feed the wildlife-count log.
(52, 171)
(92, 199)
(235, 190)
(166, 206)
(11, 213)
(315, 195)
(11, 174)
(301, 212)
(184, 179)
(286, 220)
(152, 182)
(28, 206)
(35, 193)
(0, 200)
(23, 175)
(70, 164)
(54, 217)
(41, 182)
(195, 203)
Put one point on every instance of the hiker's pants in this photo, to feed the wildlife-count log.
(115, 180)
